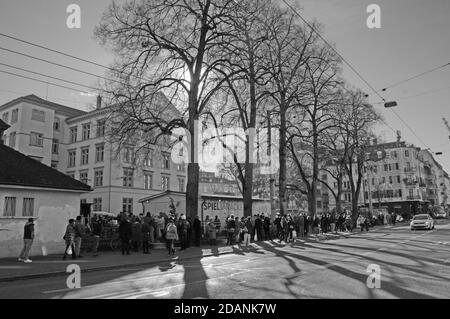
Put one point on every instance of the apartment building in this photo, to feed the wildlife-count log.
(76, 143)
(400, 177)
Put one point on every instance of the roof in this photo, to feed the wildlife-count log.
(17, 169)
(166, 193)
(64, 110)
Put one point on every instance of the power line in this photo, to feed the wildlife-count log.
(415, 77)
(52, 97)
(332, 48)
(57, 51)
(45, 82)
(49, 76)
(59, 65)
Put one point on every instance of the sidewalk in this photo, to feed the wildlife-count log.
(53, 265)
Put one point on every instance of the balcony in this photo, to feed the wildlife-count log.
(414, 197)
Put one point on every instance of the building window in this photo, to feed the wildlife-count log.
(390, 180)
(128, 156)
(128, 177)
(84, 177)
(397, 166)
(97, 204)
(9, 209)
(73, 134)
(36, 139)
(165, 161)
(181, 185)
(56, 124)
(98, 177)
(101, 125)
(72, 157)
(5, 117)
(12, 139)
(398, 179)
(127, 205)
(406, 153)
(148, 162)
(165, 182)
(181, 167)
(148, 181)
(385, 167)
(86, 131)
(14, 116)
(28, 207)
(99, 153)
(55, 146)
(394, 154)
(37, 115)
(84, 156)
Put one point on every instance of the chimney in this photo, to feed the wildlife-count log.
(99, 102)
(399, 136)
(3, 128)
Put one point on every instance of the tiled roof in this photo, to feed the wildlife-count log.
(17, 169)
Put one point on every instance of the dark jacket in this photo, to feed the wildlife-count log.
(249, 226)
(197, 226)
(80, 229)
(28, 231)
(258, 223)
(125, 230)
(97, 228)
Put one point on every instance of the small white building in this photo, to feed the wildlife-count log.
(29, 188)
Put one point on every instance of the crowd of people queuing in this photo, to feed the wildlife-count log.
(136, 233)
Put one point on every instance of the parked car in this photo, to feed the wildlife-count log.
(422, 221)
(441, 214)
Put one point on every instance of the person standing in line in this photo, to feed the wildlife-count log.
(145, 237)
(231, 226)
(212, 232)
(80, 232)
(237, 230)
(217, 224)
(69, 238)
(301, 226)
(197, 226)
(97, 228)
(247, 231)
(171, 236)
(184, 231)
(266, 226)
(136, 234)
(332, 221)
(258, 228)
(190, 231)
(28, 237)
(125, 235)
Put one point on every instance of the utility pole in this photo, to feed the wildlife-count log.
(269, 153)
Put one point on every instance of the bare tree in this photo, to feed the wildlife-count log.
(290, 49)
(166, 47)
(316, 102)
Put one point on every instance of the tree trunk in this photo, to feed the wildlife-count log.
(338, 196)
(193, 166)
(248, 189)
(282, 156)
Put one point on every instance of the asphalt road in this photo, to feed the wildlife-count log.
(412, 265)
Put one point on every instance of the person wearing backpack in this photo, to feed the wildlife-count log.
(171, 236)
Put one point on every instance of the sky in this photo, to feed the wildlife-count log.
(413, 38)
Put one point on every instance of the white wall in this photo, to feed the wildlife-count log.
(52, 208)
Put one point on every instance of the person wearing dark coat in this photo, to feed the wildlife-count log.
(231, 226)
(258, 228)
(145, 237)
(189, 234)
(197, 231)
(324, 224)
(185, 229)
(125, 234)
(267, 235)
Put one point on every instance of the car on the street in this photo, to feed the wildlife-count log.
(422, 221)
(441, 214)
